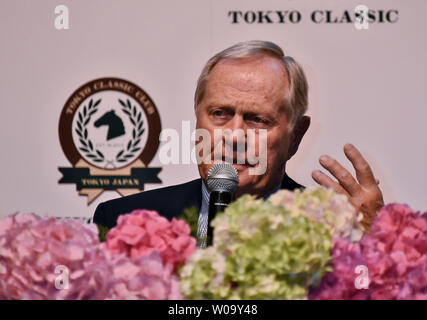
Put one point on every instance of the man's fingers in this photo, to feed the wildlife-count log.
(364, 172)
(344, 177)
(327, 182)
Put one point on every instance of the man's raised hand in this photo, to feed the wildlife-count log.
(362, 191)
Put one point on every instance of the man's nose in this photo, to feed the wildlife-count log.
(236, 123)
(238, 129)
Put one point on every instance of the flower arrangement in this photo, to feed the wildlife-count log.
(295, 245)
(240, 264)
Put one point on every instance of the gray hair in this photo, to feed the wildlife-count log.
(297, 100)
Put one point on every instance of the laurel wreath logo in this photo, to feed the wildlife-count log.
(83, 120)
(135, 118)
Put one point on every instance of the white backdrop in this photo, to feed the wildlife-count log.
(367, 87)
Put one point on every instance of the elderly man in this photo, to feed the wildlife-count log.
(253, 85)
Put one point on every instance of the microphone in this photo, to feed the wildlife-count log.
(222, 181)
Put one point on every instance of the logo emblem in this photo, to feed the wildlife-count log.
(109, 130)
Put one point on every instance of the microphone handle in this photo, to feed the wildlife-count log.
(218, 201)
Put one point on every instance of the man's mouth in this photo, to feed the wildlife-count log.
(238, 162)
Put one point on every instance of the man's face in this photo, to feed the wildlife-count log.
(248, 94)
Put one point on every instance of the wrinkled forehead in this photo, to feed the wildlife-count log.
(259, 77)
(263, 66)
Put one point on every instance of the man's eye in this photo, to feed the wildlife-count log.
(218, 113)
(258, 120)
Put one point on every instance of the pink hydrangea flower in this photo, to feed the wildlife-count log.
(141, 232)
(339, 284)
(34, 252)
(32, 249)
(395, 253)
(143, 278)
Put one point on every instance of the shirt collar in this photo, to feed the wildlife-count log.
(272, 192)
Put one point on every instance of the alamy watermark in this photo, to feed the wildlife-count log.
(62, 20)
(62, 281)
(248, 147)
(362, 280)
(361, 13)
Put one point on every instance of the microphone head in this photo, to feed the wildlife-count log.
(222, 177)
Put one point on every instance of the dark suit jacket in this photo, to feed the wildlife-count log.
(169, 201)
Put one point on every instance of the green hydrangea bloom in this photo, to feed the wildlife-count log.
(260, 251)
(323, 205)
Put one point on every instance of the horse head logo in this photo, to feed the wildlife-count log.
(114, 123)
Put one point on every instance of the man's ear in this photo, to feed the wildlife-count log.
(298, 132)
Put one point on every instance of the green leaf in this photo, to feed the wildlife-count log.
(85, 133)
(129, 105)
(102, 232)
(84, 111)
(97, 102)
(119, 154)
(129, 145)
(90, 145)
(139, 116)
(100, 154)
(135, 150)
(133, 133)
(84, 149)
(83, 142)
(122, 102)
(90, 103)
(191, 216)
